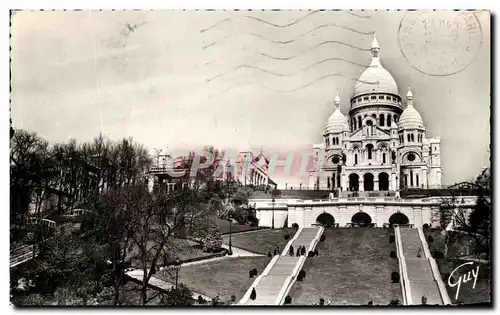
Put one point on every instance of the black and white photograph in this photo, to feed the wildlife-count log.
(233, 158)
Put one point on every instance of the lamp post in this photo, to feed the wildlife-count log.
(177, 267)
(272, 224)
(230, 233)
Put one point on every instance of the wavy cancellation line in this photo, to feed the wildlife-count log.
(284, 42)
(284, 58)
(226, 20)
(263, 86)
(277, 74)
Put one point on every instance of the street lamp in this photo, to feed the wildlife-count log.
(272, 224)
(176, 267)
(230, 233)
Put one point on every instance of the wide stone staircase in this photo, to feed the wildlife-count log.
(276, 282)
(420, 275)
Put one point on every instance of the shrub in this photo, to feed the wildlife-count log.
(322, 301)
(395, 303)
(201, 300)
(288, 299)
(269, 254)
(181, 296)
(391, 238)
(395, 277)
(430, 239)
(316, 252)
(295, 226)
(250, 274)
(301, 275)
(233, 298)
(287, 237)
(254, 271)
(322, 238)
(425, 226)
(437, 255)
(310, 254)
(393, 254)
(370, 302)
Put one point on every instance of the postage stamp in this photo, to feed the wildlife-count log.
(440, 43)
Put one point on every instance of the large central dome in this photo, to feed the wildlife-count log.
(375, 79)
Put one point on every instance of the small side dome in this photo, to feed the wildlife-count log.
(337, 122)
(411, 118)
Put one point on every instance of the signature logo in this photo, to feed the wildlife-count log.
(464, 278)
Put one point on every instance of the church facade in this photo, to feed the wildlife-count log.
(381, 145)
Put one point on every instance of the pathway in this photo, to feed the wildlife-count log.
(422, 281)
(277, 281)
(158, 283)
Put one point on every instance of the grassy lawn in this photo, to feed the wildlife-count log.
(225, 277)
(182, 248)
(235, 228)
(261, 241)
(461, 247)
(353, 267)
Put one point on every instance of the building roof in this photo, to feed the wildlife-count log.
(337, 122)
(410, 118)
(375, 79)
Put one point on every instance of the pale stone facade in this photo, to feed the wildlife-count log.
(381, 146)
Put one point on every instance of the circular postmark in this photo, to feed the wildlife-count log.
(440, 43)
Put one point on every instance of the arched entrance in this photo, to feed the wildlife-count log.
(354, 182)
(398, 218)
(368, 181)
(361, 219)
(383, 181)
(325, 219)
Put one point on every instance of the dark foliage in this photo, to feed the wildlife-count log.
(322, 301)
(301, 275)
(430, 239)
(295, 226)
(393, 254)
(391, 239)
(316, 252)
(425, 226)
(286, 237)
(395, 303)
(288, 299)
(437, 255)
(269, 254)
(310, 254)
(395, 277)
(322, 238)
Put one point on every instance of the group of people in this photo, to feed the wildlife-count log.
(301, 251)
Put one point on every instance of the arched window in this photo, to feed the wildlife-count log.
(388, 120)
(411, 178)
(354, 124)
(355, 159)
(383, 158)
(370, 149)
(412, 138)
(382, 120)
(416, 179)
(359, 122)
(408, 137)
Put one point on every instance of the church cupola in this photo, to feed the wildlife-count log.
(337, 122)
(410, 118)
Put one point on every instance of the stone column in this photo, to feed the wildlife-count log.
(361, 184)
(424, 177)
(375, 185)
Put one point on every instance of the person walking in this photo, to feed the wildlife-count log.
(291, 251)
(299, 251)
(303, 250)
(419, 252)
(424, 300)
(253, 295)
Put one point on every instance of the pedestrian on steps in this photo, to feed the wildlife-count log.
(291, 251)
(278, 250)
(253, 295)
(424, 300)
(419, 253)
(299, 250)
(275, 252)
(303, 250)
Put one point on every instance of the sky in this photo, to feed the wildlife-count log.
(182, 80)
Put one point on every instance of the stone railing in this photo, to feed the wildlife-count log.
(287, 286)
(404, 280)
(257, 280)
(434, 268)
(290, 242)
